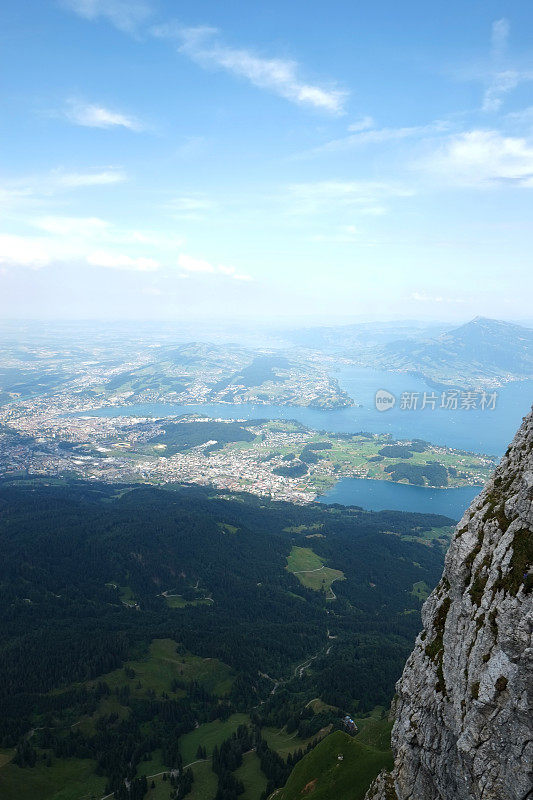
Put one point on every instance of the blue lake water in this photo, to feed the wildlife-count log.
(488, 431)
(382, 495)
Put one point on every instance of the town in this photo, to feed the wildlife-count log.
(279, 459)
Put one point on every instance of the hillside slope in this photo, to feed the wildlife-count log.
(339, 766)
(464, 727)
(483, 351)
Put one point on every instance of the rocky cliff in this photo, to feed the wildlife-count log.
(463, 713)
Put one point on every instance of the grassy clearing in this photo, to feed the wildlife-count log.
(420, 590)
(177, 601)
(315, 526)
(339, 766)
(318, 706)
(253, 779)
(311, 572)
(156, 671)
(161, 790)
(284, 743)
(6, 756)
(153, 766)
(440, 536)
(107, 705)
(375, 730)
(208, 735)
(65, 779)
(226, 528)
(205, 783)
(125, 593)
(303, 558)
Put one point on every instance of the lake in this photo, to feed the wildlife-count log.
(488, 431)
(384, 495)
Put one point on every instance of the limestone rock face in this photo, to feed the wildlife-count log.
(464, 715)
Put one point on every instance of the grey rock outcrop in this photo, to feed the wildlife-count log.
(463, 713)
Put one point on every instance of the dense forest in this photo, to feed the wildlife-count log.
(91, 575)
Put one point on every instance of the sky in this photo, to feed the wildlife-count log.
(301, 161)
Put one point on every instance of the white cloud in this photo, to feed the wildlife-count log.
(31, 193)
(90, 115)
(501, 84)
(483, 158)
(77, 179)
(364, 134)
(126, 15)
(103, 258)
(343, 235)
(11, 196)
(76, 240)
(193, 207)
(277, 75)
(373, 211)
(361, 124)
(363, 196)
(24, 251)
(522, 117)
(77, 226)
(500, 37)
(422, 297)
(501, 80)
(191, 203)
(40, 251)
(198, 265)
(194, 264)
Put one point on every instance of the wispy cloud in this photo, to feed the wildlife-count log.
(68, 226)
(35, 194)
(500, 36)
(199, 266)
(36, 252)
(203, 45)
(344, 234)
(191, 203)
(92, 115)
(361, 124)
(501, 84)
(23, 251)
(126, 15)
(503, 78)
(194, 207)
(281, 76)
(422, 297)
(74, 180)
(111, 260)
(362, 196)
(30, 189)
(521, 118)
(483, 158)
(85, 240)
(363, 133)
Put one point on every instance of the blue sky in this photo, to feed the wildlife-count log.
(300, 161)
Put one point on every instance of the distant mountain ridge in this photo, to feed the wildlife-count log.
(346, 339)
(481, 350)
(484, 351)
